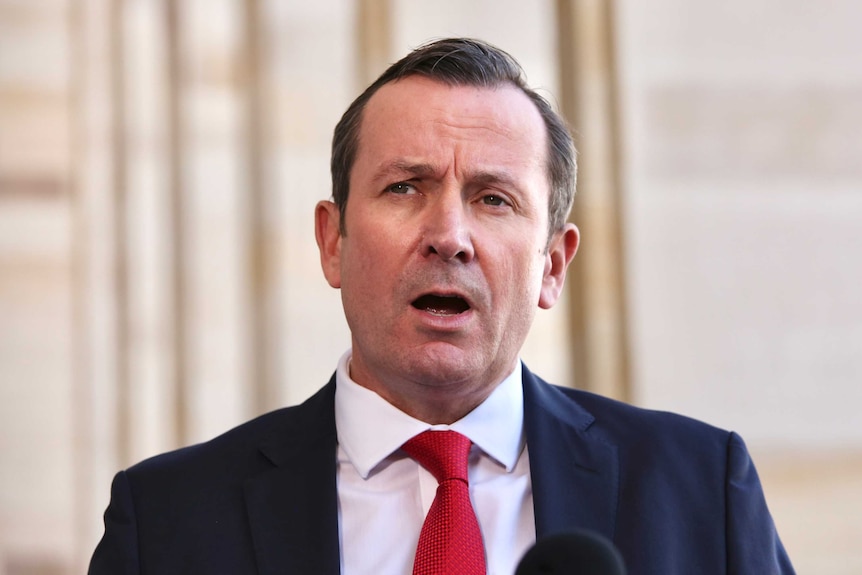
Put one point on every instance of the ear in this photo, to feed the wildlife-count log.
(561, 250)
(328, 235)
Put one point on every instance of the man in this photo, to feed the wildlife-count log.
(452, 183)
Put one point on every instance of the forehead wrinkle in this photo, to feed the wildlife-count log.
(463, 125)
(462, 131)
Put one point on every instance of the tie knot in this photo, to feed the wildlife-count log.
(443, 453)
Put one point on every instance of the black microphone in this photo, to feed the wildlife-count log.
(575, 553)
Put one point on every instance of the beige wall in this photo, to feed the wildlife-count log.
(743, 186)
(159, 280)
(743, 192)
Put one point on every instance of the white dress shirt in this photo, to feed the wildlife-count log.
(384, 495)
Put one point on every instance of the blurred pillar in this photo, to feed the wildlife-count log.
(100, 445)
(175, 140)
(119, 207)
(262, 337)
(374, 36)
(588, 100)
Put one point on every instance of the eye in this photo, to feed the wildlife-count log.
(493, 200)
(402, 188)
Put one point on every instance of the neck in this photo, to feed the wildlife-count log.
(433, 403)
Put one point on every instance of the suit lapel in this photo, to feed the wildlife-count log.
(575, 474)
(292, 508)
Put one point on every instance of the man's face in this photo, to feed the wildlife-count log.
(443, 262)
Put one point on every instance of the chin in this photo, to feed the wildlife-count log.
(443, 365)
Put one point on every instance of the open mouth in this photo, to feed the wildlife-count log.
(442, 305)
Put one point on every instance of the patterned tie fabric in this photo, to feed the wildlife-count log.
(450, 542)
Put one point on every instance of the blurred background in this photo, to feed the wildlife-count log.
(159, 281)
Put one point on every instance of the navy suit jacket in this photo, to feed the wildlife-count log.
(675, 495)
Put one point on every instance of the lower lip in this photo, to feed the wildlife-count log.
(441, 322)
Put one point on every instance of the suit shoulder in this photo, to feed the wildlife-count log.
(241, 448)
(230, 442)
(627, 424)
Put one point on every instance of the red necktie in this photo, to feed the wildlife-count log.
(450, 542)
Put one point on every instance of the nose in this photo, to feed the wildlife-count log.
(446, 229)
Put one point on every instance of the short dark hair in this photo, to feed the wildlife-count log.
(461, 62)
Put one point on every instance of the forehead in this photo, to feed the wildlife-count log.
(420, 117)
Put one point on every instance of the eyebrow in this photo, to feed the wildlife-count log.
(497, 177)
(403, 167)
(424, 170)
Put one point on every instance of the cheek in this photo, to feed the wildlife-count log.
(369, 273)
(519, 280)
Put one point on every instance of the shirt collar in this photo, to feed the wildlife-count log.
(370, 428)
